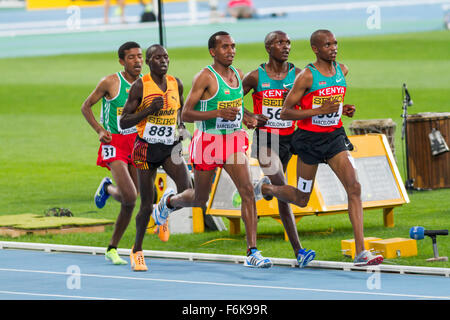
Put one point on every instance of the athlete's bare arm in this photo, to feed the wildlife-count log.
(250, 82)
(129, 117)
(105, 88)
(347, 109)
(204, 86)
(303, 81)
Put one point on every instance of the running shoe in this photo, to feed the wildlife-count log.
(366, 258)
(137, 261)
(161, 211)
(101, 195)
(256, 260)
(257, 189)
(304, 257)
(114, 257)
(164, 232)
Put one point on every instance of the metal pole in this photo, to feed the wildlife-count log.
(160, 23)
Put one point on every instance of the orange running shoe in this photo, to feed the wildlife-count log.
(137, 261)
(164, 232)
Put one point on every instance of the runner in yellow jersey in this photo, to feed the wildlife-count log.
(153, 106)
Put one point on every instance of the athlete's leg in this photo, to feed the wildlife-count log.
(288, 193)
(125, 192)
(175, 166)
(237, 166)
(146, 180)
(272, 167)
(343, 167)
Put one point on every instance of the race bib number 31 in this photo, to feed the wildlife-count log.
(108, 152)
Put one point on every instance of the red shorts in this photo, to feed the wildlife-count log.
(209, 151)
(120, 148)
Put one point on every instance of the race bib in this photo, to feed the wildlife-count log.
(326, 120)
(273, 113)
(154, 133)
(123, 131)
(230, 124)
(108, 152)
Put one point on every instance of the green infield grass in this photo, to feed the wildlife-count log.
(48, 151)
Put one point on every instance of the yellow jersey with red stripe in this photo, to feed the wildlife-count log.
(159, 127)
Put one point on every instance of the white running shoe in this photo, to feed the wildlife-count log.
(256, 260)
(162, 211)
(366, 258)
(257, 189)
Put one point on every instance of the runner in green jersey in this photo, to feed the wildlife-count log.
(326, 141)
(272, 139)
(116, 144)
(215, 104)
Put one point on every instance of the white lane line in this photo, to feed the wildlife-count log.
(54, 295)
(234, 284)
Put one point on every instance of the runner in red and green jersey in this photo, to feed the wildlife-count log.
(116, 144)
(320, 138)
(272, 138)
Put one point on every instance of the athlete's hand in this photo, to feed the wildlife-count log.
(250, 121)
(329, 107)
(348, 110)
(104, 136)
(229, 113)
(157, 104)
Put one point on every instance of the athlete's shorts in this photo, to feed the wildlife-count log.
(148, 156)
(281, 144)
(120, 148)
(208, 151)
(318, 147)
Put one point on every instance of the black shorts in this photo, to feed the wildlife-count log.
(264, 139)
(152, 155)
(318, 147)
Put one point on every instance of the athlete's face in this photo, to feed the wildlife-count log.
(133, 61)
(224, 51)
(326, 47)
(159, 61)
(280, 47)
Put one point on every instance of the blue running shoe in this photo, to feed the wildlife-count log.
(304, 257)
(257, 189)
(256, 260)
(101, 195)
(162, 211)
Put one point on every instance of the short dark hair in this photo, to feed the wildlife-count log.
(152, 49)
(271, 36)
(316, 35)
(212, 40)
(127, 46)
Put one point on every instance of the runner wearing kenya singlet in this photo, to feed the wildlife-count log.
(272, 137)
(116, 145)
(320, 137)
